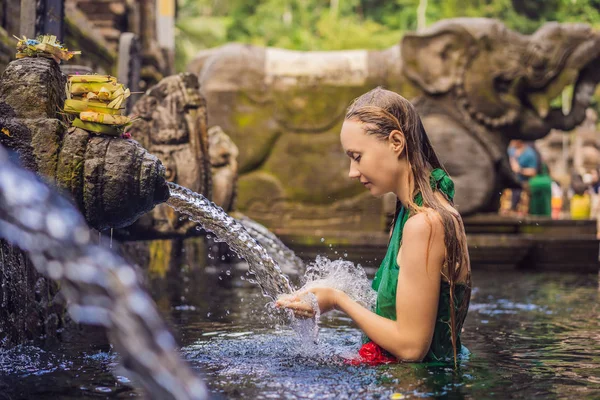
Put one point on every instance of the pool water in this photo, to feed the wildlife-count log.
(531, 335)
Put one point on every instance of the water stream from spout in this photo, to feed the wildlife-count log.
(226, 228)
(281, 254)
(246, 242)
(101, 288)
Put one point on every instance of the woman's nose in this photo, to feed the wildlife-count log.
(354, 173)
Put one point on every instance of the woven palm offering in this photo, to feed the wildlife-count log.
(43, 46)
(96, 102)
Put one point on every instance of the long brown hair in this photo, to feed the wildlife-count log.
(383, 111)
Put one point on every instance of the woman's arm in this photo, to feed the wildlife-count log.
(420, 259)
(409, 337)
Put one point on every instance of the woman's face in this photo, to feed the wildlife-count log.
(372, 159)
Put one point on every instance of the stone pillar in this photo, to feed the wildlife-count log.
(165, 25)
(39, 17)
(130, 66)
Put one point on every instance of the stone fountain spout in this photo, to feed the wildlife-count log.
(112, 180)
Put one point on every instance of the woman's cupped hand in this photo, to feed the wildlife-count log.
(302, 306)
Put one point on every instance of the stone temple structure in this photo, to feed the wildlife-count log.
(114, 35)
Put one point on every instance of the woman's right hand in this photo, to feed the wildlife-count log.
(300, 303)
(297, 302)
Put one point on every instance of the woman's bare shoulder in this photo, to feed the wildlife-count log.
(423, 224)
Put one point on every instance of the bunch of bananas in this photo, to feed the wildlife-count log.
(96, 101)
(43, 46)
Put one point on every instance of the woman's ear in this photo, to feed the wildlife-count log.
(397, 142)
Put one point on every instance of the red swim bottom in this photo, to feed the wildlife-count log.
(372, 354)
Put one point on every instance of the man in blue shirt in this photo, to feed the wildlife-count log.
(524, 163)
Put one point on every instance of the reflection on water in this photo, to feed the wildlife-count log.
(531, 336)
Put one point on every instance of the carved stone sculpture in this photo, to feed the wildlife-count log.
(112, 180)
(224, 165)
(475, 83)
(171, 124)
(581, 153)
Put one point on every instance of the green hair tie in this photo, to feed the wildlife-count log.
(440, 180)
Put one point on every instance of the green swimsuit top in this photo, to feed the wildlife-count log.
(385, 283)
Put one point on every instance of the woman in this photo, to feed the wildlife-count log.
(424, 283)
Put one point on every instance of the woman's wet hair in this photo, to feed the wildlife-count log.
(382, 111)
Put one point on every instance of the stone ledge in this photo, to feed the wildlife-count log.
(497, 251)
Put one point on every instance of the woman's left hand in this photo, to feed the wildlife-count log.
(298, 302)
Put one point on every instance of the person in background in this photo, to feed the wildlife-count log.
(540, 188)
(557, 200)
(581, 201)
(540, 192)
(595, 180)
(594, 176)
(524, 163)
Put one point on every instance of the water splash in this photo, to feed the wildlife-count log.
(307, 329)
(343, 275)
(283, 255)
(226, 228)
(101, 288)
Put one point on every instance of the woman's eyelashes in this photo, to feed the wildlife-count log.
(353, 156)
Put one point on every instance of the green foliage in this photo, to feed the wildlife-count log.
(350, 24)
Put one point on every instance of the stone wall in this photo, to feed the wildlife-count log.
(29, 305)
(95, 28)
(9, 25)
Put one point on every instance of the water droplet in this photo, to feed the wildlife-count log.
(345, 254)
(228, 273)
(322, 240)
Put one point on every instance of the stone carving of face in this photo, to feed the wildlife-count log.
(171, 123)
(223, 159)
